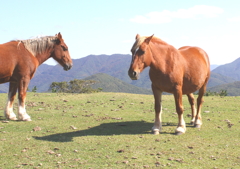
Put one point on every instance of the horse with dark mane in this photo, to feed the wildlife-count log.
(18, 62)
(179, 72)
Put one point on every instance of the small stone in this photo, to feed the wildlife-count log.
(58, 155)
(50, 152)
(72, 127)
(37, 128)
(120, 151)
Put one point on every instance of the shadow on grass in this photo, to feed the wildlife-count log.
(105, 129)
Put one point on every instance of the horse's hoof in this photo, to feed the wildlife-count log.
(27, 120)
(197, 126)
(13, 118)
(179, 133)
(180, 130)
(155, 132)
(192, 123)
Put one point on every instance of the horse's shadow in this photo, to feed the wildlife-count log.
(105, 129)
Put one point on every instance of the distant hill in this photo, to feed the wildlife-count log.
(212, 67)
(218, 79)
(117, 66)
(231, 70)
(112, 84)
(233, 89)
(4, 88)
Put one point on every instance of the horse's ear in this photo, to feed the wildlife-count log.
(137, 36)
(59, 36)
(148, 39)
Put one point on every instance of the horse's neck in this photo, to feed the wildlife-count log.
(43, 56)
(164, 56)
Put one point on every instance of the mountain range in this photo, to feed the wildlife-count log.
(115, 67)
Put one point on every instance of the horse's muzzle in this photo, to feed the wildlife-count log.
(133, 75)
(67, 66)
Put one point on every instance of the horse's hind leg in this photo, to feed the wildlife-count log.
(198, 119)
(9, 114)
(192, 103)
(22, 90)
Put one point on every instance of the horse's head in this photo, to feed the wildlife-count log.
(61, 53)
(140, 56)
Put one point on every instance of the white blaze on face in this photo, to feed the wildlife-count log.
(133, 57)
(136, 51)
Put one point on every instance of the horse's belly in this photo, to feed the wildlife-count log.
(5, 79)
(190, 87)
(169, 87)
(5, 75)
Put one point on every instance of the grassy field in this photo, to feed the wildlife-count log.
(113, 130)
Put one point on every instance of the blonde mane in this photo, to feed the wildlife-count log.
(39, 45)
(141, 39)
(137, 43)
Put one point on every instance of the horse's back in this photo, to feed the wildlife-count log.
(8, 51)
(11, 53)
(7, 61)
(197, 68)
(12, 57)
(195, 56)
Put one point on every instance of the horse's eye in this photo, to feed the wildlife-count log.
(141, 52)
(64, 48)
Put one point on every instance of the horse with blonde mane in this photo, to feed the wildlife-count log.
(18, 62)
(177, 71)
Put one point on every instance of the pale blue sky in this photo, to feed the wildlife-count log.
(109, 27)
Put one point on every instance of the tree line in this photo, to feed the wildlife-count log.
(74, 86)
(85, 86)
(221, 93)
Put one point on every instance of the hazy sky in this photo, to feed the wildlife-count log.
(109, 26)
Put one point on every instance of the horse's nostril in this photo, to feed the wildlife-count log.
(134, 73)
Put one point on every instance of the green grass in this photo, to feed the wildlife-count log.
(113, 130)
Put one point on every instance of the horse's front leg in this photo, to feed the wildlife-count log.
(9, 114)
(22, 90)
(181, 128)
(158, 110)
